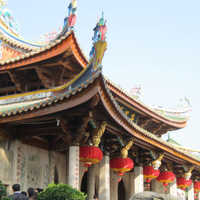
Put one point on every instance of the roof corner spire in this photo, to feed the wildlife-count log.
(99, 43)
(70, 20)
(3, 3)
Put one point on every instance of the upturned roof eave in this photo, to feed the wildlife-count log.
(47, 106)
(51, 50)
(177, 124)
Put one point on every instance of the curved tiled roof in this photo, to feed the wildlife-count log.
(5, 65)
(35, 52)
(15, 40)
(33, 105)
(170, 117)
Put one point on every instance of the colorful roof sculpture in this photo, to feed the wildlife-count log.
(76, 82)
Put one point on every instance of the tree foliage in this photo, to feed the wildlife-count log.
(61, 192)
(3, 192)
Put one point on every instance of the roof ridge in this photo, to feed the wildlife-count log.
(143, 104)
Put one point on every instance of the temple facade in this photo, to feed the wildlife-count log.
(62, 121)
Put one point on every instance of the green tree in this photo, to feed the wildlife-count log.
(3, 192)
(61, 192)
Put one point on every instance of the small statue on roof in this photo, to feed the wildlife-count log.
(3, 3)
(136, 91)
(99, 43)
(100, 30)
(70, 20)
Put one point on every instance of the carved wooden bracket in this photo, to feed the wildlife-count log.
(97, 134)
(124, 151)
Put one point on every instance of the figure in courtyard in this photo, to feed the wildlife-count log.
(32, 195)
(17, 195)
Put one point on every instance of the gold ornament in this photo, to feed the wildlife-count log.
(188, 174)
(156, 163)
(96, 139)
(100, 48)
(124, 151)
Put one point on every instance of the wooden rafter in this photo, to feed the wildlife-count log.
(16, 80)
(32, 132)
(45, 77)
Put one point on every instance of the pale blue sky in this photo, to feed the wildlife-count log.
(153, 43)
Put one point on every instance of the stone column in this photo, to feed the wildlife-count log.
(173, 189)
(104, 179)
(157, 187)
(191, 192)
(91, 182)
(73, 167)
(128, 179)
(138, 180)
(114, 185)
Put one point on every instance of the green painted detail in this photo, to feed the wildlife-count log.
(21, 106)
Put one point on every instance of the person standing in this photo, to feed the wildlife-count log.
(17, 195)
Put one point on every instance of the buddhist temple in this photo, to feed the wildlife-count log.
(63, 121)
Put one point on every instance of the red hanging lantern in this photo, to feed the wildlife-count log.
(90, 155)
(166, 177)
(150, 173)
(197, 186)
(121, 165)
(182, 183)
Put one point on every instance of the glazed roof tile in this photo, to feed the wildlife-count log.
(35, 51)
(147, 133)
(171, 118)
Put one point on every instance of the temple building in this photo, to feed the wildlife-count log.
(62, 121)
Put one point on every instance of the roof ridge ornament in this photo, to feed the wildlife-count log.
(99, 43)
(70, 20)
(3, 3)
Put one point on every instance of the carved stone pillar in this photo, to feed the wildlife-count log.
(73, 167)
(191, 192)
(104, 179)
(157, 187)
(128, 179)
(113, 185)
(138, 179)
(91, 182)
(173, 189)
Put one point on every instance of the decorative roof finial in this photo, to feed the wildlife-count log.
(99, 43)
(70, 20)
(3, 3)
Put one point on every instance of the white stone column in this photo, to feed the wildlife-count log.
(104, 179)
(73, 167)
(191, 192)
(157, 187)
(91, 182)
(128, 179)
(138, 180)
(113, 185)
(173, 189)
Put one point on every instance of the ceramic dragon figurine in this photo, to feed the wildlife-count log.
(96, 138)
(124, 151)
